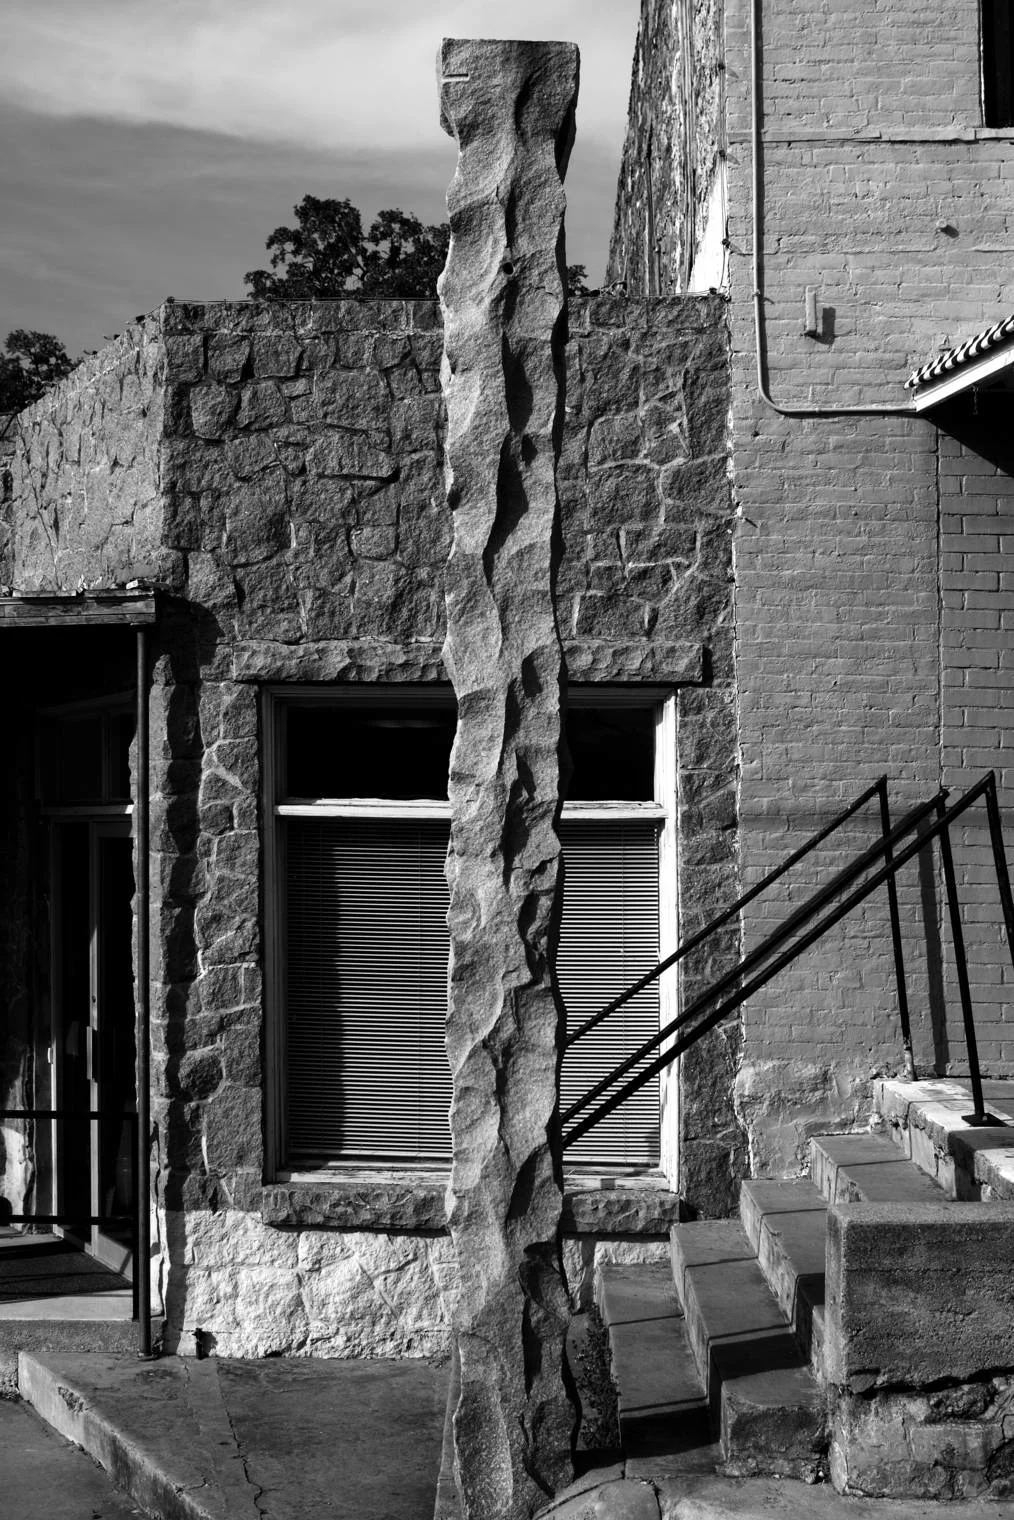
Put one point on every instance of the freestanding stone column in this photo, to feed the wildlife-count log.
(511, 107)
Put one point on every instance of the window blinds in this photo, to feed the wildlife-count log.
(366, 903)
(609, 938)
(367, 1074)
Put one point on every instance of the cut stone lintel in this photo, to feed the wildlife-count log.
(510, 105)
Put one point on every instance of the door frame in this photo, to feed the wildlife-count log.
(107, 821)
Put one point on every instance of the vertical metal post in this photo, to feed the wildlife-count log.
(899, 960)
(961, 964)
(142, 1265)
(1000, 860)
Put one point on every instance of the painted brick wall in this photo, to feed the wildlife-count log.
(857, 644)
(976, 473)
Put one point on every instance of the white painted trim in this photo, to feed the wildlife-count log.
(963, 378)
(668, 928)
(613, 812)
(271, 911)
(363, 807)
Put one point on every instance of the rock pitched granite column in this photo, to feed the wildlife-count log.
(511, 107)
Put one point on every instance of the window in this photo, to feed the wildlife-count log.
(997, 64)
(357, 785)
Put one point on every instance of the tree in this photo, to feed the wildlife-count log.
(328, 254)
(30, 364)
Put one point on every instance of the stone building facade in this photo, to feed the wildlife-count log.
(266, 479)
(872, 590)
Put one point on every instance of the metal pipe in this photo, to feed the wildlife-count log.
(758, 288)
(785, 959)
(978, 1115)
(724, 917)
(142, 1263)
(899, 963)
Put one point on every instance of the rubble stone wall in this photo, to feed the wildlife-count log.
(303, 533)
(672, 155)
(82, 504)
(866, 634)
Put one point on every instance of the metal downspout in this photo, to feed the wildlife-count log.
(872, 410)
(142, 1265)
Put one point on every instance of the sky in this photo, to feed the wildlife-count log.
(150, 146)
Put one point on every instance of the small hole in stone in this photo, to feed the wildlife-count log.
(507, 267)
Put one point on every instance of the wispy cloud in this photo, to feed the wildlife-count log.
(341, 76)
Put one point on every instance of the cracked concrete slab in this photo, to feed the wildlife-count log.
(268, 1440)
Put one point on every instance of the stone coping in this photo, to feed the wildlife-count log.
(413, 1202)
(926, 1118)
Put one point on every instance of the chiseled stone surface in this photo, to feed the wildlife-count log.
(510, 106)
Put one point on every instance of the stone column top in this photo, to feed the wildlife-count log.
(490, 68)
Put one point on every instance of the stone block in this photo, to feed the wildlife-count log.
(228, 355)
(352, 455)
(212, 408)
(261, 405)
(276, 354)
(917, 1293)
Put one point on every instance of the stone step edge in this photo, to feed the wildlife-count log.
(803, 1309)
(68, 1411)
(924, 1119)
(730, 1412)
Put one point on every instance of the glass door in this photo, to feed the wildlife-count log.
(93, 988)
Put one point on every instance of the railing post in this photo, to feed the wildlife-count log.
(979, 1115)
(1000, 860)
(899, 960)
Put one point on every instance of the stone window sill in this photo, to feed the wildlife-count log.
(412, 1202)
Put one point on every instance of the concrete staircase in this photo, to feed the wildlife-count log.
(855, 1326)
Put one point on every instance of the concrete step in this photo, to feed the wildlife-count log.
(867, 1168)
(786, 1225)
(665, 1424)
(929, 1122)
(763, 1398)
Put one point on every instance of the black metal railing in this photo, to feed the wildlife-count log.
(929, 820)
(71, 1218)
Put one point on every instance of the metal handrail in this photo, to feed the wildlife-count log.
(879, 787)
(839, 881)
(945, 817)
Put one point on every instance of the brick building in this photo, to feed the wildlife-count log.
(872, 591)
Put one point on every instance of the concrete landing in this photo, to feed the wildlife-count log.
(281, 1439)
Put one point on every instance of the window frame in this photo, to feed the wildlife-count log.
(276, 701)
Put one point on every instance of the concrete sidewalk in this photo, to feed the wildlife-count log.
(43, 1477)
(280, 1439)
